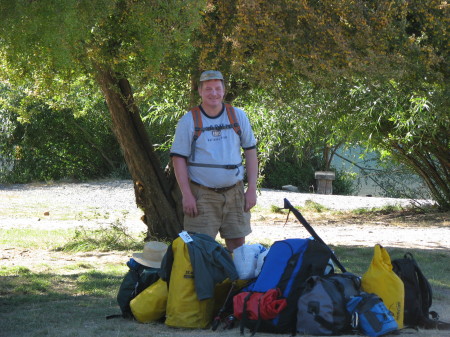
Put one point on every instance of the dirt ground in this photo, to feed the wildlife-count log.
(397, 229)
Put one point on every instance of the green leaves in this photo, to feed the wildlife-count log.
(45, 38)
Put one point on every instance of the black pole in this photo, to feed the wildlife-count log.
(299, 216)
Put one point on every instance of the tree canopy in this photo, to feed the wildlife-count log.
(285, 40)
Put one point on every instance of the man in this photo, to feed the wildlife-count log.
(209, 170)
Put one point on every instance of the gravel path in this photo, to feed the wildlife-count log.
(93, 204)
(118, 195)
(102, 201)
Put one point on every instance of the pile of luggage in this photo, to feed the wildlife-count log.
(291, 287)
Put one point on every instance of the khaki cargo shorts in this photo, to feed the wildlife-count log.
(219, 212)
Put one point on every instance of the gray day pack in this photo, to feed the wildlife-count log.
(322, 305)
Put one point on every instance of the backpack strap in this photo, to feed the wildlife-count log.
(424, 286)
(364, 306)
(198, 127)
(244, 313)
(233, 120)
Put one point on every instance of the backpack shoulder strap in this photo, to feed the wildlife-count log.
(232, 118)
(198, 123)
(424, 286)
(198, 127)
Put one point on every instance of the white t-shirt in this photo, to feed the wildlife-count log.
(217, 146)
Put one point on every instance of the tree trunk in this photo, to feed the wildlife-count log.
(156, 194)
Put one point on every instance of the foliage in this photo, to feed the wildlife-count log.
(385, 177)
(408, 124)
(397, 180)
(72, 41)
(337, 46)
(295, 135)
(69, 37)
(278, 173)
(40, 143)
(116, 44)
(345, 183)
(268, 43)
(287, 138)
(162, 103)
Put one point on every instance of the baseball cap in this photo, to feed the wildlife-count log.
(211, 75)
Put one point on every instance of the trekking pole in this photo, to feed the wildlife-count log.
(299, 216)
(218, 317)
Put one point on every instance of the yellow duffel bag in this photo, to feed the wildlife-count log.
(184, 309)
(381, 280)
(150, 304)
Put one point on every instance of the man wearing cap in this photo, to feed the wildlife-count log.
(209, 170)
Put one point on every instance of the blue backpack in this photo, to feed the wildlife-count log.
(370, 315)
(286, 267)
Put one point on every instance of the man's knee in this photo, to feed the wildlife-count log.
(232, 244)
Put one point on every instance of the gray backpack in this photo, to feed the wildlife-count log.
(322, 305)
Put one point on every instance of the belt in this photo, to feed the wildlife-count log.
(215, 189)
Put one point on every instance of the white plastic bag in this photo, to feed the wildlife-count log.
(260, 261)
(245, 259)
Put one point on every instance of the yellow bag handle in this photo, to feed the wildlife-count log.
(381, 257)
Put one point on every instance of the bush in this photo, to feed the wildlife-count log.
(345, 183)
(279, 173)
(54, 145)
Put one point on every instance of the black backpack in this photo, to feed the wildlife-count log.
(135, 280)
(322, 305)
(418, 295)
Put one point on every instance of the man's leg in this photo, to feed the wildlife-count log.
(232, 244)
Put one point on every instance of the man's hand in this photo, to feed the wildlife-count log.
(188, 200)
(250, 199)
(189, 205)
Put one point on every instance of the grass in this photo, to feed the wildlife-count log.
(114, 237)
(378, 210)
(314, 206)
(21, 285)
(432, 263)
(73, 299)
(107, 238)
(309, 206)
(35, 238)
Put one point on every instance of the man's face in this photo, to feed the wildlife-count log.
(212, 92)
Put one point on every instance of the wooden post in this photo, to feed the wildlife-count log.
(325, 181)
